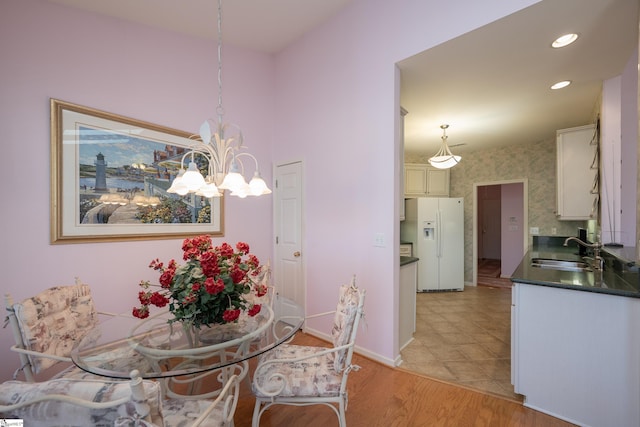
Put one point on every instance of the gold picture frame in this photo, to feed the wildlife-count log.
(109, 176)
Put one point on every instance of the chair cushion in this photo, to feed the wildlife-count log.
(57, 413)
(262, 280)
(183, 412)
(53, 320)
(343, 321)
(311, 377)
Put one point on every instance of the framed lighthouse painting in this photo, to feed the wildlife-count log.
(109, 180)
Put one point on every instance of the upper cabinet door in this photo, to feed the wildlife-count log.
(415, 180)
(421, 180)
(438, 182)
(576, 174)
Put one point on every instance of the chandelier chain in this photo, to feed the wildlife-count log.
(220, 109)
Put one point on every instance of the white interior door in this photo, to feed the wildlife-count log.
(288, 271)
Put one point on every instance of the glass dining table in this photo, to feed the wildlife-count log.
(159, 349)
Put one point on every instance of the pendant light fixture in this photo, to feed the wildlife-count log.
(220, 147)
(444, 159)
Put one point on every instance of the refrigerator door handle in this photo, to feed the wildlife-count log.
(439, 233)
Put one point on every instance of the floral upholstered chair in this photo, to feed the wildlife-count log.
(305, 375)
(47, 325)
(137, 403)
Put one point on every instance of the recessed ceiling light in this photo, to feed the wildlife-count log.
(561, 84)
(564, 40)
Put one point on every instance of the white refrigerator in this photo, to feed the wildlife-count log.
(435, 227)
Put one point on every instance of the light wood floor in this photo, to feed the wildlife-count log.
(489, 274)
(384, 396)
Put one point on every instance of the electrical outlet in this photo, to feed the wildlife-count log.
(534, 230)
(554, 231)
(378, 240)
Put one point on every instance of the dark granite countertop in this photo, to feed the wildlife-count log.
(404, 260)
(614, 280)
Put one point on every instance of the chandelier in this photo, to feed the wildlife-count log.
(444, 159)
(220, 147)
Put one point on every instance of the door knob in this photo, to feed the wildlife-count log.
(296, 254)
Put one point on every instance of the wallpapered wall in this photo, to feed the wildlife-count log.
(535, 162)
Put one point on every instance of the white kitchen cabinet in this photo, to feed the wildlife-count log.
(408, 286)
(575, 354)
(422, 180)
(577, 175)
(437, 182)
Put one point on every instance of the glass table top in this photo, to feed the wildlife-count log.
(159, 349)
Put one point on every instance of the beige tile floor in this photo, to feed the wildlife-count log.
(464, 338)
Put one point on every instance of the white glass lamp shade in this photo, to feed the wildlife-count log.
(444, 162)
(209, 189)
(257, 186)
(177, 186)
(242, 191)
(233, 181)
(444, 159)
(192, 178)
(182, 190)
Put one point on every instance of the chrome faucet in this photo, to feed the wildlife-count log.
(597, 260)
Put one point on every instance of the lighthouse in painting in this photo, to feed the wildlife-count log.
(101, 174)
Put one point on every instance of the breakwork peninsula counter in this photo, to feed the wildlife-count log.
(575, 338)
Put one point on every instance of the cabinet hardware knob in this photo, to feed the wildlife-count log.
(296, 254)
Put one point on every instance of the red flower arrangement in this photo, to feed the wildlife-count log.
(210, 287)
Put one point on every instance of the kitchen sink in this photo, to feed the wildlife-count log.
(555, 264)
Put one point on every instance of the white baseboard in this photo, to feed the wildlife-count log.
(553, 414)
(361, 351)
(407, 343)
(398, 361)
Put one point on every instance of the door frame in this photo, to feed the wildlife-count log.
(525, 218)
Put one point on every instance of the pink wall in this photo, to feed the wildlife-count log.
(329, 100)
(512, 222)
(49, 50)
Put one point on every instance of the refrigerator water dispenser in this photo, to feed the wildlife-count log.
(428, 230)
